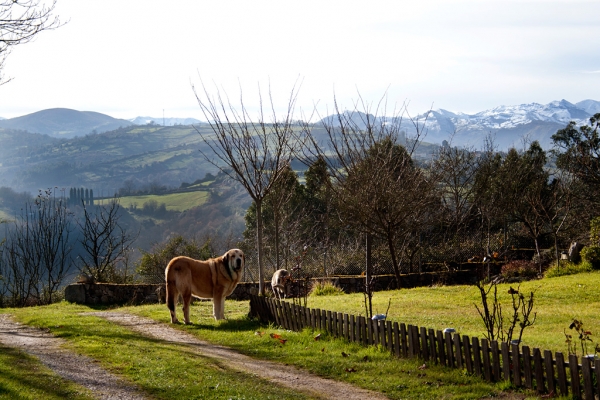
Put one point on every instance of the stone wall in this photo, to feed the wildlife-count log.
(109, 293)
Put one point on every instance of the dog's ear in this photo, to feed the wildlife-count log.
(226, 259)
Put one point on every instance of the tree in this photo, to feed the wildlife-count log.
(578, 151)
(251, 150)
(104, 241)
(378, 189)
(152, 264)
(20, 22)
(36, 253)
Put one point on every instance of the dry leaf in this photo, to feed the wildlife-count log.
(344, 354)
(318, 337)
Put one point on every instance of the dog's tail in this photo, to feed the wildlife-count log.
(171, 292)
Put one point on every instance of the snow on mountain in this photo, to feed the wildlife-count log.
(508, 125)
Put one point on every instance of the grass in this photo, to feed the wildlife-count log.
(166, 370)
(23, 377)
(173, 201)
(161, 369)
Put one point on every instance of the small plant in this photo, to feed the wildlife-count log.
(584, 337)
(493, 319)
(325, 288)
(591, 254)
(568, 268)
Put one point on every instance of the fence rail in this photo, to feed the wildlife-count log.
(530, 368)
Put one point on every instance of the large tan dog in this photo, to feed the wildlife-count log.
(211, 279)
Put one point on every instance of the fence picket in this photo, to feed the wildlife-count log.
(550, 379)
(441, 347)
(382, 334)
(467, 354)
(476, 356)
(574, 369)
(538, 368)
(347, 327)
(527, 373)
(588, 384)
(369, 323)
(390, 336)
(403, 339)
(363, 330)
(485, 352)
(424, 348)
(516, 363)
(458, 350)
(495, 361)
(505, 361)
(329, 327)
(396, 339)
(597, 370)
(431, 341)
(562, 374)
(353, 329)
(449, 355)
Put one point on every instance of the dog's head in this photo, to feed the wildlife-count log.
(234, 259)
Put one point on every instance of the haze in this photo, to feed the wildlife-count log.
(135, 58)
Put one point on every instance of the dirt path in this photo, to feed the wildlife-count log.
(86, 372)
(284, 375)
(80, 369)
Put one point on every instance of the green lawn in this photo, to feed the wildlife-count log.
(174, 201)
(157, 366)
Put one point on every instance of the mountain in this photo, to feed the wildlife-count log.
(509, 126)
(64, 123)
(165, 121)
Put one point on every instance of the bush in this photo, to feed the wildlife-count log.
(568, 268)
(591, 254)
(520, 268)
(326, 288)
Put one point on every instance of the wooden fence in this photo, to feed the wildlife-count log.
(534, 369)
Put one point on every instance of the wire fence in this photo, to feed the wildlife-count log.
(428, 253)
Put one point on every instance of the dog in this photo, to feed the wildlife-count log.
(280, 277)
(213, 279)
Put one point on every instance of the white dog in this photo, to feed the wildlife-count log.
(280, 277)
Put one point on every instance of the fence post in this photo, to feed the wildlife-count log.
(458, 350)
(390, 336)
(431, 341)
(449, 357)
(467, 353)
(485, 351)
(476, 356)
(495, 361)
(562, 374)
(441, 347)
(588, 384)
(403, 339)
(424, 346)
(396, 339)
(538, 367)
(516, 362)
(550, 380)
(527, 367)
(574, 369)
(505, 361)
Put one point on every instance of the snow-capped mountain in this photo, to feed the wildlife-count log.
(164, 121)
(510, 126)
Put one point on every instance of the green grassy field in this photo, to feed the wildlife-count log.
(143, 361)
(173, 201)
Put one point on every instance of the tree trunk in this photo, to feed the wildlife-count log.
(259, 240)
(392, 249)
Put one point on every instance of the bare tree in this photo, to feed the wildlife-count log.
(253, 150)
(20, 22)
(104, 241)
(36, 252)
(378, 188)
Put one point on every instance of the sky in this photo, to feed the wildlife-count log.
(144, 58)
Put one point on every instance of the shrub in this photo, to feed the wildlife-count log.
(591, 254)
(326, 288)
(568, 268)
(520, 268)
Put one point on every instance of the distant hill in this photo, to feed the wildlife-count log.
(64, 123)
(165, 121)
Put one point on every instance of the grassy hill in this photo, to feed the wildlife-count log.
(173, 201)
